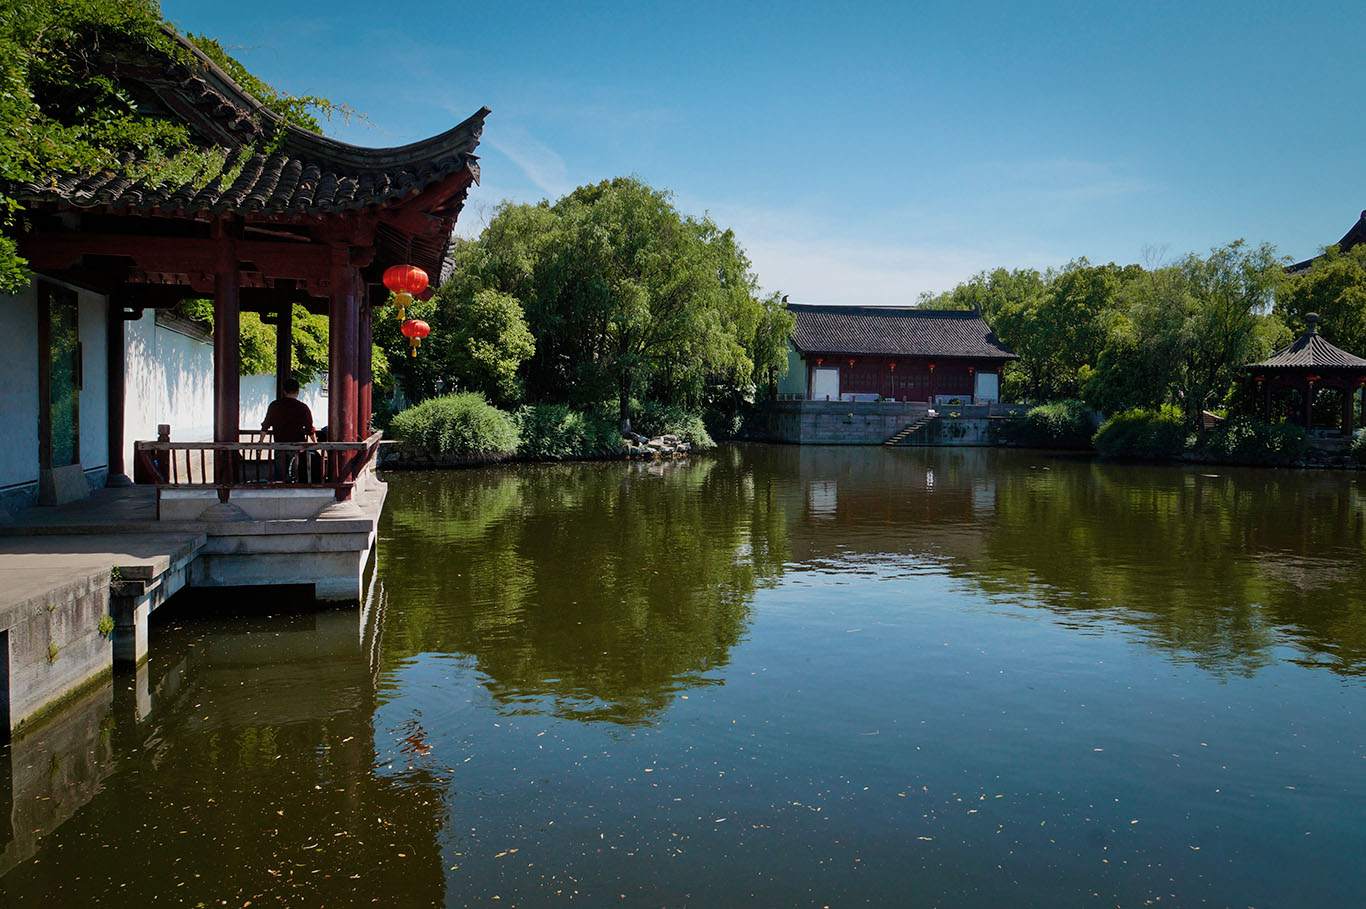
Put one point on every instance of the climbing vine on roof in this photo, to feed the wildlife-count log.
(60, 112)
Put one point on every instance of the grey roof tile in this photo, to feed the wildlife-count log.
(1310, 350)
(894, 331)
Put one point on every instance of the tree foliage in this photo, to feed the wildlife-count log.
(482, 339)
(61, 112)
(624, 296)
(1335, 288)
(1122, 337)
(1185, 330)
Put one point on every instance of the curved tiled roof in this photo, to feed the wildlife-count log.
(894, 331)
(283, 182)
(1311, 351)
(307, 174)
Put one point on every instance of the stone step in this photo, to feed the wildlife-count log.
(910, 429)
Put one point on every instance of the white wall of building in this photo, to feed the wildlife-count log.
(94, 395)
(170, 380)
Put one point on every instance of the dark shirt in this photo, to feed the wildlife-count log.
(290, 418)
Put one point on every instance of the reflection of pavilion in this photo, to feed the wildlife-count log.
(250, 762)
(1302, 375)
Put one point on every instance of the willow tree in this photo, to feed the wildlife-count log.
(1187, 329)
(625, 295)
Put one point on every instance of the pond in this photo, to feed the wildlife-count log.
(772, 675)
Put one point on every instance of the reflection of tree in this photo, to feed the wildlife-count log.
(1209, 565)
(1218, 568)
(603, 588)
(255, 780)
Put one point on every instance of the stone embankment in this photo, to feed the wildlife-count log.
(665, 446)
(401, 456)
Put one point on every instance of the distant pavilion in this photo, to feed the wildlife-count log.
(1306, 367)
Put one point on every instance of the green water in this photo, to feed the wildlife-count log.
(773, 676)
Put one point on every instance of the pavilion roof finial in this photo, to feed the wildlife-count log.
(1312, 319)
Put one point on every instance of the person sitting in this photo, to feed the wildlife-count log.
(292, 422)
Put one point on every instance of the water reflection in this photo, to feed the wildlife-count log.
(591, 591)
(819, 674)
(600, 591)
(249, 768)
(1216, 565)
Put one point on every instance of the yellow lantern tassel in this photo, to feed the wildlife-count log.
(414, 343)
(403, 301)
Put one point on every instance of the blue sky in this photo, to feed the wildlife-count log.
(866, 153)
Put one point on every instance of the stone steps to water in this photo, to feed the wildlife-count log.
(907, 434)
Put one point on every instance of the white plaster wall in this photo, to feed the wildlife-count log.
(258, 391)
(169, 379)
(19, 389)
(94, 395)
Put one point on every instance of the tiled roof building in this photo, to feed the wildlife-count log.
(894, 353)
(895, 331)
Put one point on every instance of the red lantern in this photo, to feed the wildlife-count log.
(931, 367)
(415, 330)
(404, 281)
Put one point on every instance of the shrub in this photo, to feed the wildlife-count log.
(553, 431)
(1244, 437)
(459, 424)
(1143, 433)
(665, 419)
(1063, 424)
(1359, 445)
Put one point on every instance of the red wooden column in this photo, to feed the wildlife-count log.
(118, 475)
(364, 349)
(343, 317)
(284, 347)
(1309, 406)
(227, 357)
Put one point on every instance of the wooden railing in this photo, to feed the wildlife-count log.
(256, 463)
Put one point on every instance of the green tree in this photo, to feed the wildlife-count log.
(1059, 329)
(1335, 288)
(484, 341)
(625, 298)
(1188, 328)
(60, 112)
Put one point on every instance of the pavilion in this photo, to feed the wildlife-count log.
(294, 217)
(1307, 367)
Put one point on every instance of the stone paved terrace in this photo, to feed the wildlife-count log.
(63, 569)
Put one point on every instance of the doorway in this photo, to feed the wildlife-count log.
(60, 476)
(825, 383)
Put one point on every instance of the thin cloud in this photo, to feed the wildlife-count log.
(539, 162)
(813, 260)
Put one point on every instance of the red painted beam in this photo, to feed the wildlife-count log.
(179, 255)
